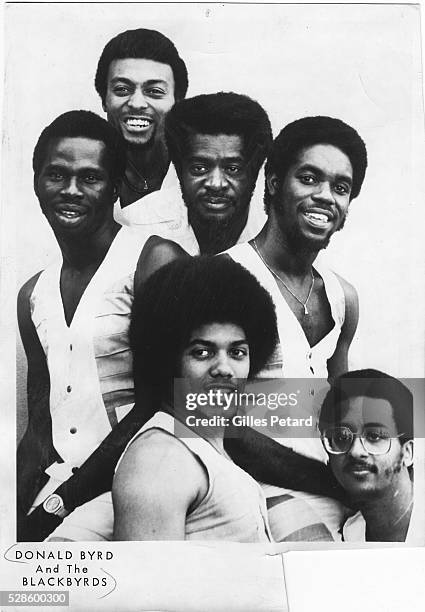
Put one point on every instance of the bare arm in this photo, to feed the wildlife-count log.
(338, 363)
(35, 451)
(156, 484)
(269, 462)
(157, 252)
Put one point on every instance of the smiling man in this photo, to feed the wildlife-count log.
(74, 315)
(139, 77)
(315, 168)
(366, 424)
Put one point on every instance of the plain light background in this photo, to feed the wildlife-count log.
(358, 63)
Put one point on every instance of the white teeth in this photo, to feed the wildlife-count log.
(317, 217)
(70, 214)
(138, 123)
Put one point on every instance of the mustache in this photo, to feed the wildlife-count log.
(351, 465)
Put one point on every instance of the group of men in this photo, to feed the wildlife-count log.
(164, 177)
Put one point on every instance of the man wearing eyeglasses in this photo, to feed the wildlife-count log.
(366, 424)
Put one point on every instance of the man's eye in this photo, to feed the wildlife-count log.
(376, 436)
(239, 353)
(342, 435)
(155, 92)
(308, 179)
(120, 90)
(200, 353)
(233, 169)
(198, 169)
(55, 176)
(91, 178)
(342, 189)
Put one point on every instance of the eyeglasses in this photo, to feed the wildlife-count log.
(339, 440)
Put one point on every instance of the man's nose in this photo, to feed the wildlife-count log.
(357, 449)
(324, 193)
(137, 99)
(216, 179)
(221, 367)
(71, 187)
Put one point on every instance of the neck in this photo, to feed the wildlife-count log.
(152, 162)
(387, 518)
(281, 255)
(80, 253)
(213, 432)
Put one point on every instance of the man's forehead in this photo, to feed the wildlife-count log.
(139, 69)
(75, 148)
(363, 410)
(218, 145)
(327, 157)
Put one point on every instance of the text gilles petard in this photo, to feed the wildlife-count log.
(64, 568)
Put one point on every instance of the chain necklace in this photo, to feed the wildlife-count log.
(131, 185)
(303, 304)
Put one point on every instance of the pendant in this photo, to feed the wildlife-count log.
(305, 309)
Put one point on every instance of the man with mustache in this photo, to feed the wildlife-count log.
(315, 168)
(74, 315)
(217, 144)
(139, 77)
(366, 423)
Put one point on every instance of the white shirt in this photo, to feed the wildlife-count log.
(164, 213)
(354, 528)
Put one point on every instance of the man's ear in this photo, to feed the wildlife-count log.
(35, 185)
(407, 451)
(272, 183)
(116, 191)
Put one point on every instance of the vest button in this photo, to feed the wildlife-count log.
(73, 430)
(70, 347)
(69, 388)
(74, 470)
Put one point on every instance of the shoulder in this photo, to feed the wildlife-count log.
(157, 252)
(27, 288)
(162, 249)
(350, 295)
(24, 296)
(350, 291)
(157, 456)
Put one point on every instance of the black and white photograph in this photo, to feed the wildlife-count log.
(212, 281)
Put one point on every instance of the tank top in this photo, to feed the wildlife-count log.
(234, 507)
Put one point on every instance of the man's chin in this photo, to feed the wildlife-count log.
(308, 244)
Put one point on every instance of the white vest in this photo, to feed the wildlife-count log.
(90, 365)
(294, 358)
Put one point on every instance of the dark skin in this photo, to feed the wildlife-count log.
(283, 467)
(151, 164)
(247, 447)
(306, 207)
(76, 194)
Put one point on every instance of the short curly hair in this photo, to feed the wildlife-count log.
(310, 131)
(369, 383)
(188, 293)
(84, 124)
(142, 44)
(219, 113)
